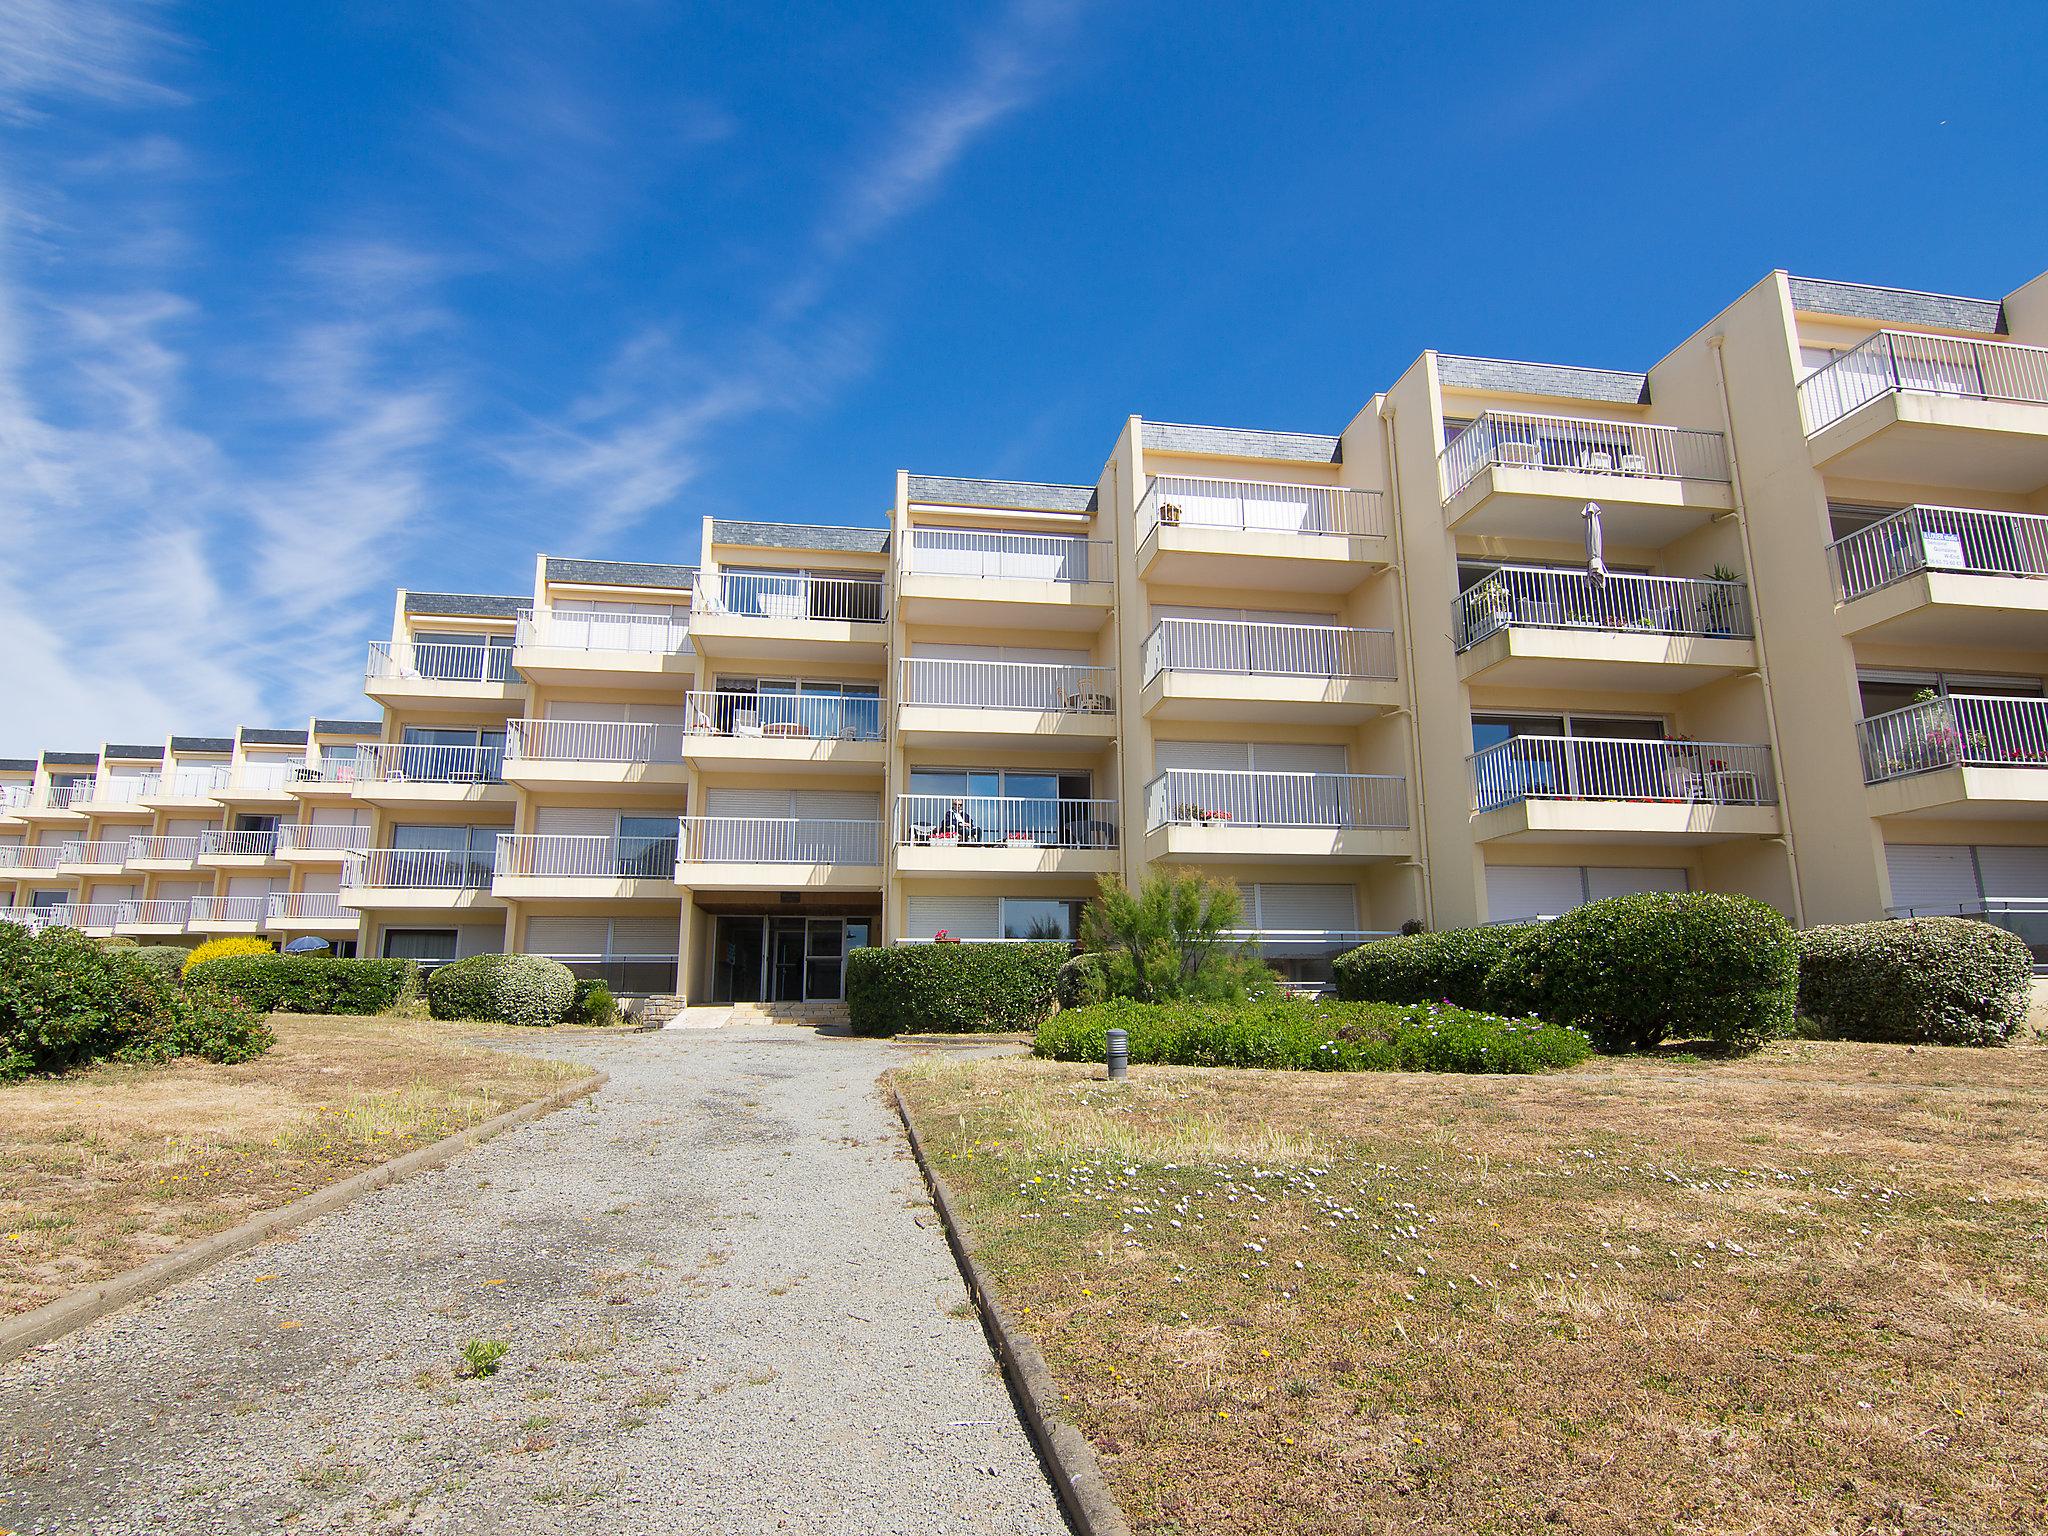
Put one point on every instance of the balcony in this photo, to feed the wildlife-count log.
(58, 802)
(1511, 474)
(823, 730)
(1208, 669)
(409, 773)
(192, 786)
(583, 754)
(1592, 789)
(99, 918)
(14, 796)
(1004, 835)
(326, 778)
(619, 650)
(316, 912)
(966, 579)
(767, 853)
(789, 616)
(222, 849)
(1945, 576)
(536, 865)
(1977, 755)
(1240, 534)
(228, 914)
(1303, 956)
(119, 796)
(34, 919)
(93, 858)
(317, 842)
(1533, 627)
(1009, 703)
(1245, 816)
(263, 783)
(154, 918)
(1921, 409)
(163, 853)
(449, 676)
(31, 857)
(423, 879)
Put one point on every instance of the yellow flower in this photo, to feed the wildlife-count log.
(1222, 1413)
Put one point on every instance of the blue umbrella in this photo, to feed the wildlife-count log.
(309, 945)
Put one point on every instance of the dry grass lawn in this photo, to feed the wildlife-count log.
(113, 1166)
(1807, 1292)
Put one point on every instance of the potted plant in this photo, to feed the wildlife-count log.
(1020, 837)
(1723, 604)
(1169, 513)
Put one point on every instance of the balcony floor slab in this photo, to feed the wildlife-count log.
(1965, 792)
(580, 888)
(1012, 859)
(707, 876)
(1913, 438)
(1637, 511)
(1619, 661)
(391, 898)
(1233, 844)
(981, 603)
(1952, 608)
(1675, 823)
(804, 754)
(946, 725)
(1184, 694)
(1269, 560)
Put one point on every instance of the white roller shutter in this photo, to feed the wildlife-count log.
(1202, 756)
(2013, 871)
(115, 892)
(1602, 883)
(565, 936)
(575, 821)
(656, 936)
(340, 816)
(321, 882)
(1936, 876)
(1515, 892)
(836, 805)
(191, 826)
(1287, 908)
(585, 711)
(185, 890)
(1298, 757)
(732, 800)
(961, 917)
(479, 939)
(250, 885)
(655, 714)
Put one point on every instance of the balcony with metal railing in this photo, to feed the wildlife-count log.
(968, 578)
(119, 795)
(574, 754)
(617, 648)
(403, 773)
(1259, 670)
(318, 841)
(947, 702)
(827, 729)
(155, 916)
(1004, 834)
(309, 911)
(55, 802)
(448, 674)
(1980, 754)
(778, 852)
(1924, 409)
(229, 914)
(1538, 627)
(100, 856)
(1945, 576)
(232, 848)
(162, 853)
(185, 786)
(1597, 788)
(432, 879)
(93, 917)
(1262, 816)
(1518, 474)
(1270, 535)
(328, 776)
(263, 781)
(15, 795)
(531, 865)
(790, 614)
(41, 858)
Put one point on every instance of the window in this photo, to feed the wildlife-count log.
(778, 706)
(1030, 917)
(429, 946)
(1882, 692)
(647, 847)
(462, 656)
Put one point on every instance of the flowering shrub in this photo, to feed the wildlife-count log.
(220, 949)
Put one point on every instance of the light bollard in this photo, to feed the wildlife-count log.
(1119, 1055)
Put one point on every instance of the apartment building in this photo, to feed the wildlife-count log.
(1768, 617)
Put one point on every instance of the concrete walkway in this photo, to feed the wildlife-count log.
(728, 1306)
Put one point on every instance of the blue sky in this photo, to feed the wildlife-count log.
(302, 302)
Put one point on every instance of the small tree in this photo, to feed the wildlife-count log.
(1171, 938)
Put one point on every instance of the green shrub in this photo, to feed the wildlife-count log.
(507, 989)
(1302, 1035)
(952, 988)
(309, 983)
(1171, 938)
(1082, 980)
(213, 1026)
(1453, 966)
(594, 1003)
(1937, 980)
(167, 960)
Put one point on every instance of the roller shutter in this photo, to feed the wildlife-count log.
(1932, 877)
(652, 936)
(575, 821)
(578, 936)
(1517, 893)
(2013, 871)
(1602, 883)
(962, 917)
(1288, 908)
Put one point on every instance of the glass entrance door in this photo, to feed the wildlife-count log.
(784, 959)
(736, 968)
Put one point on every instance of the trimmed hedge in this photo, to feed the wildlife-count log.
(952, 988)
(1453, 966)
(1929, 980)
(508, 989)
(167, 960)
(1298, 1035)
(309, 983)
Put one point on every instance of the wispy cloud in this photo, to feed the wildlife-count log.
(101, 49)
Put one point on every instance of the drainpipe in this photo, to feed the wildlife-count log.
(1756, 615)
(1418, 800)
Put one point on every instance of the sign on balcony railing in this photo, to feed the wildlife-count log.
(1268, 650)
(1912, 362)
(238, 845)
(1637, 450)
(440, 661)
(1059, 557)
(574, 856)
(755, 595)
(395, 762)
(780, 840)
(1260, 506)
(1979, 730)
(1958, 539)
(793, 713)
(1615, 768)
(416, 869)
(999, 821)
(1051, 687)
(1536, 597)
(593, 741)
(652, 634)
(1218, 797)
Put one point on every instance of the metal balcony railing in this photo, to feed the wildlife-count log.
(1535, 597)
(35, 919)
(90, 916)
(268, 776)
(72, 796)
(31, 855)
(1205, 797)
(1955, 539)
(195, 781)
(318, 837)
(1060, 557)
(592, 741)
(13, 796)
(1260, 506)
(754, 595)
(306, 907)
(118, 789)
(780, 840)
(392, 762)
(1052, 687)
(624, 975)
(799, 713)
(339, 768)
(170, 850)
(222, 843)
(1979, 730)
(1634, 450)
(1618, 768)
(439, 662)
(644, 634)
(98, 851)
(1912, 362)
(998, 821)
(593, 857)
(1260, 649)
(417, 869)
(243, 910)
(155, 914)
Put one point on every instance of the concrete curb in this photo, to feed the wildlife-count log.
(1076, 1474)
(91, 1303)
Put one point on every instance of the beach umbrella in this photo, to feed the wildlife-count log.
(306, 946)
(1596, 567)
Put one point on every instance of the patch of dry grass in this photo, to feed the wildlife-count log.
(115, 1165)
(1804, 1292)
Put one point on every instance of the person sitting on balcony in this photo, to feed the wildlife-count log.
(957, 823)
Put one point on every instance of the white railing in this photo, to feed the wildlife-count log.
(99, 851)
(804, 715)
(13, 796)
(2026, 916)
(757, 595)
(593, 857)
(169, 850)
(1958, 539)
(63, 797)
(592, 741)
(1620, 768)
(1014, 821)
(119, 789)
(1065, 687)
(307, 907)
(418, 869)
(195, 781)
(156, 913)
(1260, 649)
(394, 762)
(1636, 450)
(338, 769)
(648, 634)
(35, 919)
(1204, 797)
(223, 843)
(1260, 506)
(31, 855)
(1981, 730)
(1536, 597)
(780, 840)
(319, 837)
(244, 910)
(90, 916)
(440, 661)
(1061, 557)
(1912, 362)
(265, 775)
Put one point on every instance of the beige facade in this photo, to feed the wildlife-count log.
(1371, 676)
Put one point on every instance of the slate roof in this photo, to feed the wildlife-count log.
(1000, 495)
(17, 765)
(138, 754)
(72, 759)
(1491, 373)
(865, 541)
(621, 573)
(1244, 443)
(1896, 306)
(347, 728)
(202, 744)
(263, 736)
(466, 604)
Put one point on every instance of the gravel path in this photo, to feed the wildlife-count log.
(728, 1305)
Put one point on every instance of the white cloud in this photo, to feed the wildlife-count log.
(101, 49)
